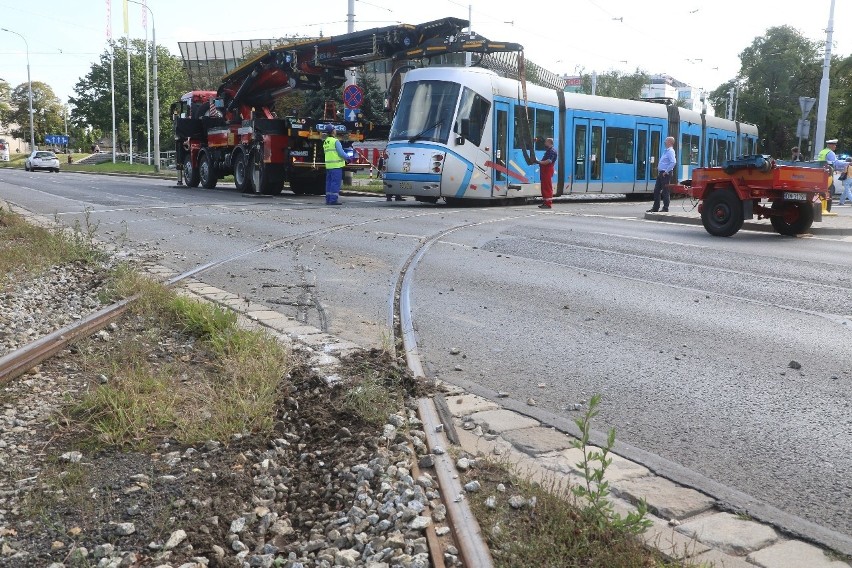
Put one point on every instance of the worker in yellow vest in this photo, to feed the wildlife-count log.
(828, 156)
(335, 160)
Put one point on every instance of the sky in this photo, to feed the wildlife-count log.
(695, 41)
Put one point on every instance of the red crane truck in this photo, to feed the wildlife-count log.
(234, 130)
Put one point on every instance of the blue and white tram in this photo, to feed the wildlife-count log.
(458, 134)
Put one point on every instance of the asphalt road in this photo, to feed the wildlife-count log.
(687, 337)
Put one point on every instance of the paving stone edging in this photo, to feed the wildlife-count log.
(762, 226)
(686, 524)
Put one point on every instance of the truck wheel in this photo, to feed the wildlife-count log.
(206, 171)
(267, 179)
(792, 218)
(241, 178)
(190, 174)
(722, 213)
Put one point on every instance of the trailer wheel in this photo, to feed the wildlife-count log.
(722, 213)
(792, 218)
(190, 174)
(241, 179)
(207, 171)
(267, 179)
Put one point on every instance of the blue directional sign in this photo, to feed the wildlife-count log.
(56, 139)
(350, 114)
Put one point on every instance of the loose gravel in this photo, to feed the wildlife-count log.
(326, 490)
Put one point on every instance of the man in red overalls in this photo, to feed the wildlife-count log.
(547, 166)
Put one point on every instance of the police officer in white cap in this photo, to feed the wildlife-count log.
(828, 155)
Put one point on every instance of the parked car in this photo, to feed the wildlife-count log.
(42, 160)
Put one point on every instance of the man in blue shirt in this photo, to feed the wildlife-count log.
(665, 167)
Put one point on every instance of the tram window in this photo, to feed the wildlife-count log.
(597, 142)
(688, 149)
(543, 127)
(474, 110)
(580, 151)
(655, 152)
(521, 114)
(642, 151)
(721, 152)
(425, 111)
(619, 145)
(502, 142)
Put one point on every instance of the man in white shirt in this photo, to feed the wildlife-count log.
(665, 168)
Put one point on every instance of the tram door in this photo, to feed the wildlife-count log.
(647, 156)
(501, 149)
(588, 155)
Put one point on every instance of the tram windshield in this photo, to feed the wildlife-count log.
(425, 111)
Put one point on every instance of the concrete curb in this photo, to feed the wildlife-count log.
(762, 226)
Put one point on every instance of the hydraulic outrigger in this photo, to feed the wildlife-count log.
(234, 130)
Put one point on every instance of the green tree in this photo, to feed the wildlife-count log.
(775, 70)
(839, 117)
(373, 107)
(5, 102)
(92, 101)
(47, 111)
(616, 84)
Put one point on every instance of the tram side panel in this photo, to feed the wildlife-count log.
(605, 145)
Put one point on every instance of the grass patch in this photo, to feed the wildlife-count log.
(556, 532)
(183, 370)
(109, 167)
(27, 249)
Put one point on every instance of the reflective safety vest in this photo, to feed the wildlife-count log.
(332, 158)
(821, 157)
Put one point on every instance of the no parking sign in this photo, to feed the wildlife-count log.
(353, 96)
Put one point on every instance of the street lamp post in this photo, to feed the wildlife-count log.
(29, 86)
(156, 103)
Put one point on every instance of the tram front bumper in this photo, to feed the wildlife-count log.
(416, 185)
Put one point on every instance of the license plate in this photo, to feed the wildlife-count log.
(789, 196)
(405, 185)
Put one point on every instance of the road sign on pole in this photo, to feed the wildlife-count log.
(350, 114)
(803, 130)
(56, 139)
(806, 104)
(353, 96)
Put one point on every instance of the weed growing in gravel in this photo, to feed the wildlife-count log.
(182, 369)
(372, 400)
(595, 491)
(26, 248)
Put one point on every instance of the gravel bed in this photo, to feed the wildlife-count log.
(326, 490)
(39, 306)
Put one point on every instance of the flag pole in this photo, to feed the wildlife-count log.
(129, 97)
(111, 72)
(147, 80)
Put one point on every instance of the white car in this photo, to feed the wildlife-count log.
(42, 160)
